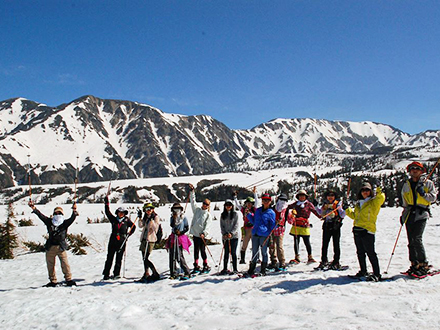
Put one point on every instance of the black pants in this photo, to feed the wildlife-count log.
(114, 247)
(176, 255)
(327, 235)
(199, 247)
(414, 231)
(232, 243)
(146, 249)
(365, 246)
(306, 240)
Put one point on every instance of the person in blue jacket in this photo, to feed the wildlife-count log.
(263, 221)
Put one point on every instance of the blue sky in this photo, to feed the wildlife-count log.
(242, 62)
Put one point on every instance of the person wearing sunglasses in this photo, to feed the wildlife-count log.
(263, 222)
(332, 214)
(150, 223)
(298, 214)
(199, 229)
(365, 215)
(122, 227)
(417, 195)
(229, 228)
(56, 244)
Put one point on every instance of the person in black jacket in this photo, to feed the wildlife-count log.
(56, 244)
(122, 227)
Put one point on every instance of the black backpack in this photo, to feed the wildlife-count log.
(159, 233)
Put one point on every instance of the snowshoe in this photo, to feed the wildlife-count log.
(294, 262)
(50, 285)
(70, 283)
(152, 278)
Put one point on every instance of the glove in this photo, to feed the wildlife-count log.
(106, 201)
(315, 202)
(345, 205)
(420, 189)
(139, 213)
(191, 187)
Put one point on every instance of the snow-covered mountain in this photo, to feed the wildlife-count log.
(109, 138)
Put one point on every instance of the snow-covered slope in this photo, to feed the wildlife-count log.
(135, 140)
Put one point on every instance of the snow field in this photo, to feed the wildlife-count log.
(297, 298)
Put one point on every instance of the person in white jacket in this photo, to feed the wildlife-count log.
(199, 229)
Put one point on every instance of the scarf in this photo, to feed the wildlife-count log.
(57, 220)
(280, 205)
(301, 204)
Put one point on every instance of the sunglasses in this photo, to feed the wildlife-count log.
(228, 205)
(415, 168)
(331, 195)
(265, 200)
(204, 203)
(58, 213)
(365, 189)
(148, 209)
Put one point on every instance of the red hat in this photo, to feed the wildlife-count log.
(266, 196)
(416, 164)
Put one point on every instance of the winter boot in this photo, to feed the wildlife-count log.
(196, 268)
(263, 268)
(206, 268)
(311, 260)
(334, 265)
(242, 257)
(252, 266)
(51, 285)
(153, 278)
(322, 265)
(272, 265)
(70, 283)
(360, 274)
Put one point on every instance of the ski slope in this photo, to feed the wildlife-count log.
(297, 298)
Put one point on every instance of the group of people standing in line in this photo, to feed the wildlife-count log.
(263, 224)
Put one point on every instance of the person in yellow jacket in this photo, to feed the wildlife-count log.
(364, 215)
(417, 195)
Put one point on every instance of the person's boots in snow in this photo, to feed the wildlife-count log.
(243, 257)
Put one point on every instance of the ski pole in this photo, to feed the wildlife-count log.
(251, 185)
(221, 256)
(125, 258)
(123, 243)
(314, 187)
(330, 213)
(76, 180)
(349, 181)
(230, 251)
(432, 171)
(29, 178)
(111, 178)
(397, 239)
(207, 248)
(261, 246)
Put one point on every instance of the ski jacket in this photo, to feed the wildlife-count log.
(202, 219)
(302, 211)
(334, 211)
(280, 222)
(179, 224)
(229, 225)
(414, 202)
(150, 226)
(120, 229)
(263, 221)
(57, 235)
(366, 216)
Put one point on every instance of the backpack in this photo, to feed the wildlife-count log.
(159, 233)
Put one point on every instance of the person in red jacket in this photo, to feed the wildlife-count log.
(300, 223)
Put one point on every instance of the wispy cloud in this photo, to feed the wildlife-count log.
(65, 79)
(13, 70)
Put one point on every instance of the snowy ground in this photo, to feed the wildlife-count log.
(298, 298)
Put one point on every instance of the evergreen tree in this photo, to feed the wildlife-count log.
(8, 237)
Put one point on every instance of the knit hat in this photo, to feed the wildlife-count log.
(302, 192)
(58, 209)
(417, 165)
(121, 210)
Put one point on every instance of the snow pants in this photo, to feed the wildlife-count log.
(414, 230)
(364, 242)
(327, 235)
(114, 247)
(51, 254)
